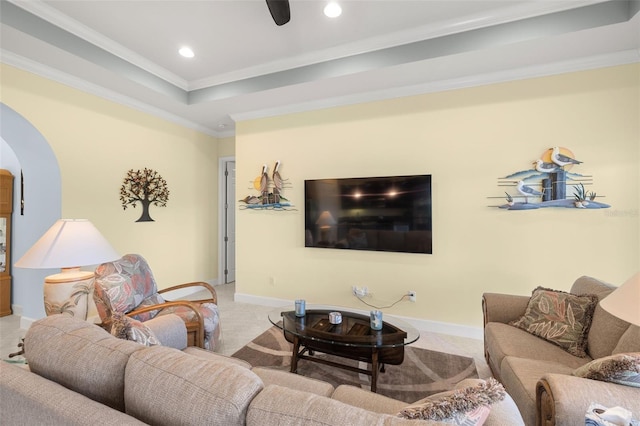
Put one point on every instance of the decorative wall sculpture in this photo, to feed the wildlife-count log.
(270, 191)
(551, 181)
(146, 187)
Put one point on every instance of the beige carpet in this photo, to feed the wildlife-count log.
(422, 373)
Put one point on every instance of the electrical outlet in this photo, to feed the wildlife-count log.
(412, 295)
(359, 292)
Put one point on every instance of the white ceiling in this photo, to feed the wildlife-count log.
(246, 66)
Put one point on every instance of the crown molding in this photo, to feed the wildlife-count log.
(47, 72)
(55, 17)
(563, 67)
(581, 64)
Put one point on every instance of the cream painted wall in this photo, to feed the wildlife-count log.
(466, 139)
(226, 147)
(96, 141)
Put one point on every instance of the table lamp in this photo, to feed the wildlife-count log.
(68, 244)
(325, 222)
(624, 302)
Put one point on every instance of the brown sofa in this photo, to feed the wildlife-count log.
(538, 374)
(79, 374)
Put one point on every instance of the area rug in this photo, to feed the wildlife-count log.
(423, 372)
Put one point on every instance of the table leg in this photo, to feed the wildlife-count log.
(374, 369)
(294, 356)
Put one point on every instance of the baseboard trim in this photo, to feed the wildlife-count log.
(421, 324)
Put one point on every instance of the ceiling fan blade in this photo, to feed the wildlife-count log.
(280, 11)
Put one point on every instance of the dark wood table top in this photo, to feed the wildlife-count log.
(354, 330)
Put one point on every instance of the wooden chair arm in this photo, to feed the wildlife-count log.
(191, 305)
(168, 304)
(209, 287)
(545, 407)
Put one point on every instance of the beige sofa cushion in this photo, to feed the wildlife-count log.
(270, 376)
(606, 329)
(203, 353)
(629, 341)
(505, 340)
(80, 356)
(277, 405)
(520, 376)
(165, 386)
(28, 399)
(367, 400)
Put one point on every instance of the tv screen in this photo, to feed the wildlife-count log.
(391, 213)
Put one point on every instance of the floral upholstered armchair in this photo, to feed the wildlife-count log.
(127, 286)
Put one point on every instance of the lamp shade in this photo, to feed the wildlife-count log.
(68, 243)
(326, 219)
(624, 302)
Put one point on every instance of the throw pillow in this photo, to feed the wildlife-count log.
(623, 369)
(127, 328)
(559, 317)
(470, 404)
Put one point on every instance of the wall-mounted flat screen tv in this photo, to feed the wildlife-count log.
(390, 213)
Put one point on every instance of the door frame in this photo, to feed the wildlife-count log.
(221, 214)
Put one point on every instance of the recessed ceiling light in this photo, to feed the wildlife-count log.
(332, 10)
(186, 52)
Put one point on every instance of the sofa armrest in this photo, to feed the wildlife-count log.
(563, 399)
(503, 308)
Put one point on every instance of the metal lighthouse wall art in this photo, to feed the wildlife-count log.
(550, 183)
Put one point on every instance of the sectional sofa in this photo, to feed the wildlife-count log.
(79, 374)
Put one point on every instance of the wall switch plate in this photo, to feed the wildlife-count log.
(412, 296)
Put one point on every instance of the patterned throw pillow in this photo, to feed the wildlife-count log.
(127, 328)
(623, 369)
(559, 317)
(466, 406)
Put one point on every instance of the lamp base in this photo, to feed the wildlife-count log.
(68, 292)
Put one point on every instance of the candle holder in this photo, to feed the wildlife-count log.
(376, 320)
(300, 308)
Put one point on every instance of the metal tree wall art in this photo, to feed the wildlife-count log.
(146, 187)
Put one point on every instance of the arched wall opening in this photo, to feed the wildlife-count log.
(24, 149)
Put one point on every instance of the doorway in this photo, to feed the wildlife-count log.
(227, 215)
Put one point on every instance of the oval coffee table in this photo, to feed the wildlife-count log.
(353, 338)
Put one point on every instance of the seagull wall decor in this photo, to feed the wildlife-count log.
(549, 178)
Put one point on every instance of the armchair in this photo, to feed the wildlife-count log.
(127, 286)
